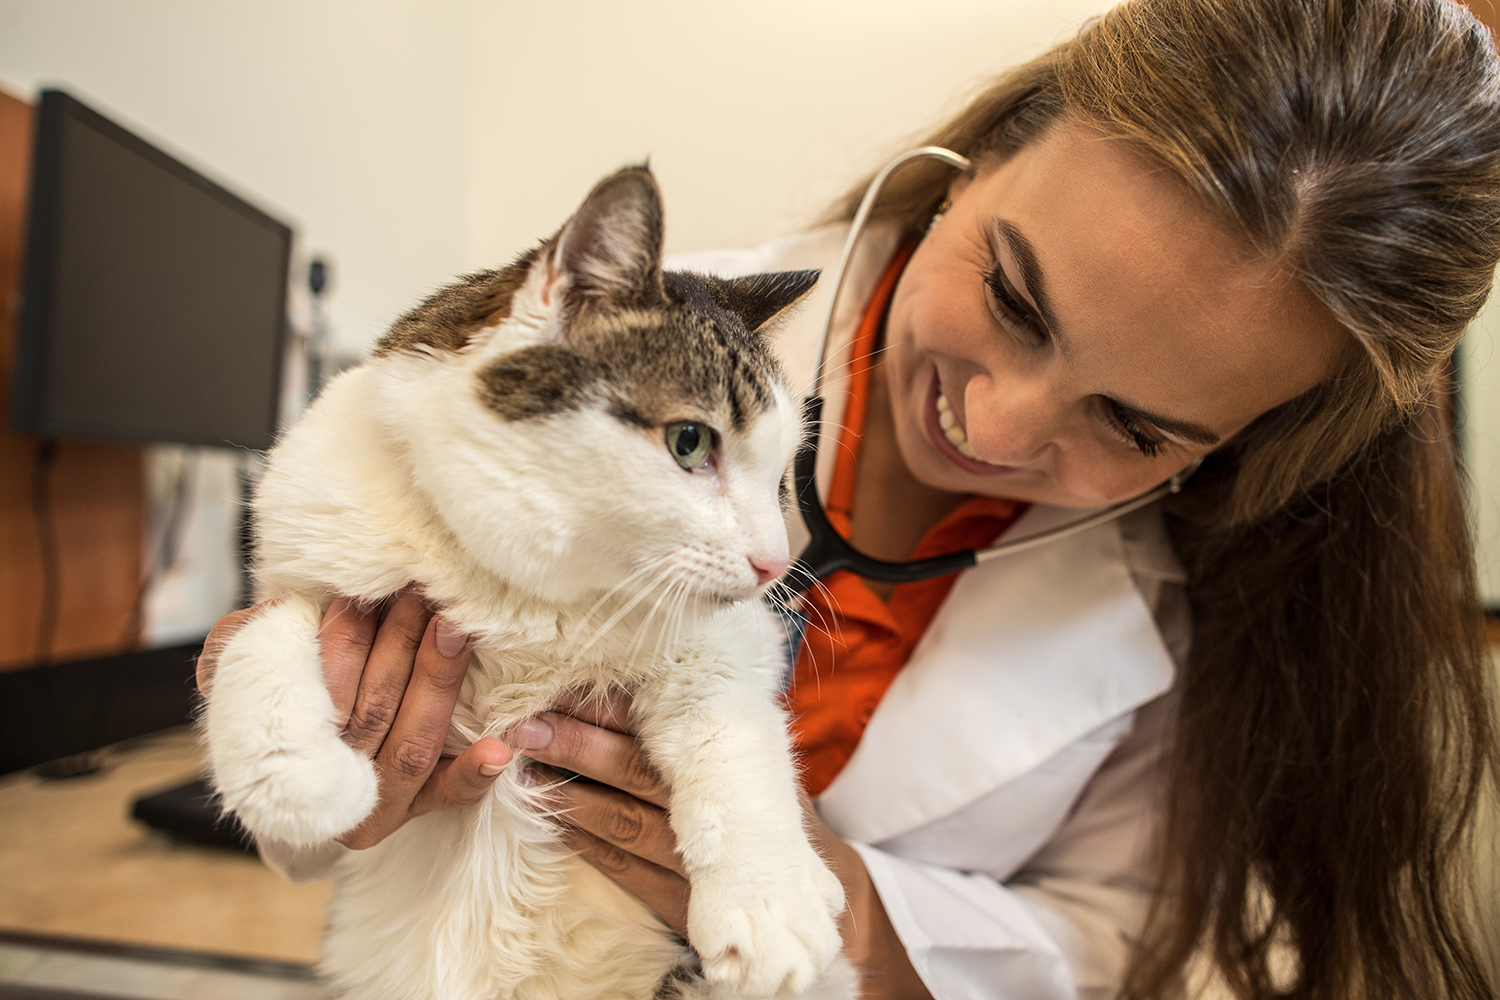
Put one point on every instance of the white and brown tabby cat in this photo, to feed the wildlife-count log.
(577, 457)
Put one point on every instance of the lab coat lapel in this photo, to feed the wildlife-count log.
(1030, 653)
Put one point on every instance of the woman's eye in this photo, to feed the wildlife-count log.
(1127, 429)
(689, 443)
(1009, 305)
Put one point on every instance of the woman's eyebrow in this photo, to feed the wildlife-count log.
(1031, 274)
(1186, 430)
(1035, 285)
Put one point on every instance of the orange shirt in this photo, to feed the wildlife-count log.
(855, 642)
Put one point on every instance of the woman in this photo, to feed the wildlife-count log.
(1243, 231)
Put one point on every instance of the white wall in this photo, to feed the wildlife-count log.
(1479, 366)
(411, 140)
(754, 115)
(348, 119)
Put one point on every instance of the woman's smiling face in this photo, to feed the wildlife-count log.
(1087, 329)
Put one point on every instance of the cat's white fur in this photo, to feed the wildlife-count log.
(580, 556)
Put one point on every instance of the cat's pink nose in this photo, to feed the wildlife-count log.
(768, 568)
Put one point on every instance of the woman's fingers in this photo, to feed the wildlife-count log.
(619, 824)
(345, 638)
(462, 780)
(395, 680)
(664, 891)
(608, 757)
(388, 669)
(412, 745)
(625, 821)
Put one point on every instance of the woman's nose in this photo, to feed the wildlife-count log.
(1010, 421)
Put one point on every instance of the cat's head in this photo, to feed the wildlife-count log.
(584, 421)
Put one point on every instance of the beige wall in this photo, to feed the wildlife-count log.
(413, 139)
(1479, 366)
(754, 115)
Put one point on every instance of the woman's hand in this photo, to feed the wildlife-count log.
(394, 683)
(620, 826)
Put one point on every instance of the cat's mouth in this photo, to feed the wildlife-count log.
(724, 599)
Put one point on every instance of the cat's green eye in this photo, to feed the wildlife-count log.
(689, 443)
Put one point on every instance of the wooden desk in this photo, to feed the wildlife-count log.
(73, 864)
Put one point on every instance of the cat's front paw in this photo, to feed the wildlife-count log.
(302, 797)
(274, 740)
(767, 933)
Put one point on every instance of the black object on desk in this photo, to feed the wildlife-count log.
(191, 812)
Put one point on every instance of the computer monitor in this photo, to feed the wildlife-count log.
(153, 300)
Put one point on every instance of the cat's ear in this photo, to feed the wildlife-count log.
(610, 251)
(760, 299)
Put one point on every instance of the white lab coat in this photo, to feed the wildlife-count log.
(1003, 794)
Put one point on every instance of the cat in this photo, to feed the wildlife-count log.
(579, 458)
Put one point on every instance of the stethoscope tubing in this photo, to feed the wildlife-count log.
(857, 229)
(827, 552)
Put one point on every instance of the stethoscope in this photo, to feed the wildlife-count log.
(827, 551)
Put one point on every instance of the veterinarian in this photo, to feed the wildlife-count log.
(1230, 737)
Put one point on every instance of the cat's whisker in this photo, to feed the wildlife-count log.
(660, 565)
(676, 608)
(663, 576)
(647, 567)
(661, 629)
(784, 592)
(820, 622)
(837, 376)
(814, 620)
(674, 586)
(681, 616)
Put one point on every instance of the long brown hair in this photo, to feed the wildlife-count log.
(1335, 729)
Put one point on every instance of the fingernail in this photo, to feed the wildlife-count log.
(450, 641)
(490, 770)
(533, 734)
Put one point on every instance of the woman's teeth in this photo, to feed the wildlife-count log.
(951, 430)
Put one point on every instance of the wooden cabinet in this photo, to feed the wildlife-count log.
(95, 492)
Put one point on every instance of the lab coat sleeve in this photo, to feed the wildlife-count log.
(1061, 926)
(301, 864)
(967, 936)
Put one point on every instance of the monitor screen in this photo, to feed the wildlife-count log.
(153, 300)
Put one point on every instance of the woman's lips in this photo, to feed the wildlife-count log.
(949, 437)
